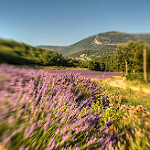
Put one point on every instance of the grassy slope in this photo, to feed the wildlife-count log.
(8, 55)
(128, 95)
(22, 54)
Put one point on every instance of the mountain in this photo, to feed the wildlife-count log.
(53, 48)
(102, 43)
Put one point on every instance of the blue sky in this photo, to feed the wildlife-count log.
(64, 22)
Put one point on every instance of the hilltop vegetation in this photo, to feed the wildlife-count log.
(105, 50)
(100, 42)
(16, 53)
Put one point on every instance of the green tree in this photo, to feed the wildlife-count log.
(91, 65)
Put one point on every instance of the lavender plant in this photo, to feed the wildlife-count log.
(42, 109)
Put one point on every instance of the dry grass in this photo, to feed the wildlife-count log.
(130, 95)
(2, 147)
(122, 83)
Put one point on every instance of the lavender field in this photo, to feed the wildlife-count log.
(59, 109)
(87, 74)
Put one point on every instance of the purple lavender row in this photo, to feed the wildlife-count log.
(88, 74)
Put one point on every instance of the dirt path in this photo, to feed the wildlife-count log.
(121, 84)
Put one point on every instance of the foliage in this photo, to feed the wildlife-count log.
(137, 76)
(126, 94)
(136, 121)
(105, 50)
(22, 54)
(132, 53)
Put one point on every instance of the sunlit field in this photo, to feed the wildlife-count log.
(50, 109)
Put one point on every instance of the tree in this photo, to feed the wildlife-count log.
(136, 56)
(91, 65)
(144, 64)
(120, 55)
(102, 66)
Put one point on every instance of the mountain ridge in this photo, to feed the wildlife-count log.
(98, 41)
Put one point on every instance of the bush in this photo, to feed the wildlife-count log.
(136, 76)
(93, 65)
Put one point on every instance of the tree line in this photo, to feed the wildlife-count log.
(127, 58)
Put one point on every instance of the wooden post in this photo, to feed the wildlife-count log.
(144, 64)
(126, 67)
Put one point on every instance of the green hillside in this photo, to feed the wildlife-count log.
(100, 42)
(105, 50)
(16, 53)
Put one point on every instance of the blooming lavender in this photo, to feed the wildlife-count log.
(52, 110)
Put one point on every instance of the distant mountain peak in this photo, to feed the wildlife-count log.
(100, 41)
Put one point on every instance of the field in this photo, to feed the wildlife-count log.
(69, 109)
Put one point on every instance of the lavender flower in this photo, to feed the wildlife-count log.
(51, 105)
